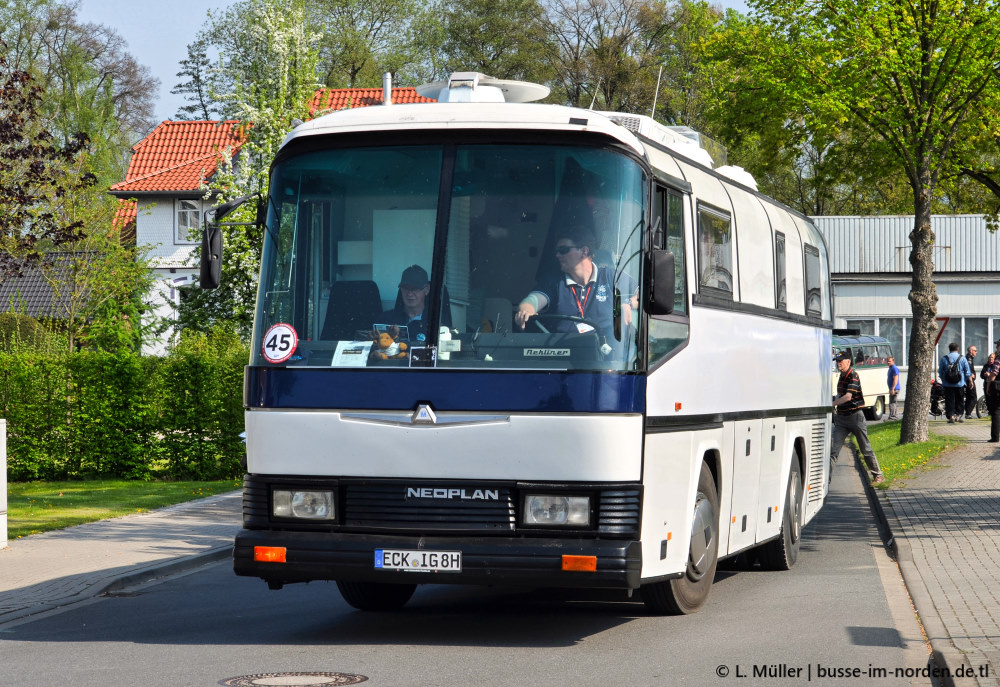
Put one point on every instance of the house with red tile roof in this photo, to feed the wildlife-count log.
(162, 199)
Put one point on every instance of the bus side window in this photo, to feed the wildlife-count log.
(668, 333)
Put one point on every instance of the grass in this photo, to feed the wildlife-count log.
(897, 461)
(35, 507)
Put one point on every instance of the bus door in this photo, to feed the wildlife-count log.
(746, 474)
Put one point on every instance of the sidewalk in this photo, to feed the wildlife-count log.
(946, 534)
(55, 569)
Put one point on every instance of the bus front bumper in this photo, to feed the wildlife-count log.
(485, 560)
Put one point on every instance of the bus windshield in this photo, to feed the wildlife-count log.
(421, 256)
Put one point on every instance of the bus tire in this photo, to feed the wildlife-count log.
(876, 411)
(689, 592)
(375, 596)
(781, 553)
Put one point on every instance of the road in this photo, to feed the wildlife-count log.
(841, 608)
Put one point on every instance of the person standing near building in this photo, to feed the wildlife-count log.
(848, 418)
(892, 379)
(953, 370)
(991, 391)
(970, 391)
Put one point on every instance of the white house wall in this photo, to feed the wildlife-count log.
(154, 227)
(171, 262)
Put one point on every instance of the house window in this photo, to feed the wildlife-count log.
(188, 221)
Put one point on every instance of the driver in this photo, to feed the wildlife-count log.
(582, 290)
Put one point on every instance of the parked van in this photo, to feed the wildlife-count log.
(871, 361)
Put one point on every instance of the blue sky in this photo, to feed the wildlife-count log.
(158, 33)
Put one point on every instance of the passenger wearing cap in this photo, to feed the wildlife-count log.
(848, 418)
(411, 304)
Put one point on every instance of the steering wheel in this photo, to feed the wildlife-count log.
(538, 318)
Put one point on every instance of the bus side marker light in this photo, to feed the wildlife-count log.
(677, 407)
(269, 554)
(580, 563)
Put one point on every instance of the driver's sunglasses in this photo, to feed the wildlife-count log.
(562, 250)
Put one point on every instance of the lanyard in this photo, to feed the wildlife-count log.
(586, 297)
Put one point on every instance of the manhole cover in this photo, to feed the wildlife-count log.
(292, 680)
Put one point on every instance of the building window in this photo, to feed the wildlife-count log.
(864, 327)
(188, 221)
(715, 253)
(891, 328)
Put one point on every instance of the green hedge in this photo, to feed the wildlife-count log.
(96, 414)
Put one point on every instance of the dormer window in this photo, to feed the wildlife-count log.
(188, 225)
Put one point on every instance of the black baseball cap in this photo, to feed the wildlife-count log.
(414, 275)
(843, 355)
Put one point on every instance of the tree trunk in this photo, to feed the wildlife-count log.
(923, 302)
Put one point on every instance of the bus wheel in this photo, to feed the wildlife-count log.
(376, 596)
(781, 553)
(688, 593)
(876, 411)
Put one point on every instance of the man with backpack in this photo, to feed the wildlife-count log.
(955, 376)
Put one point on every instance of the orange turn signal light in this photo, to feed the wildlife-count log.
(580, 563)
(269, 554)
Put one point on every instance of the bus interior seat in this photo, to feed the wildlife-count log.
(353, 306)
(499, 312)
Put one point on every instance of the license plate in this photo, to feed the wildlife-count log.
(418, 561)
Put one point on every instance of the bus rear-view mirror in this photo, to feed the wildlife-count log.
(662, 276)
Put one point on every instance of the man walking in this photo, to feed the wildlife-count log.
(970, 391)
(848, 418)
(953, 370)
(892, 379)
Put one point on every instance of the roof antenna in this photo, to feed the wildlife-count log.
(657, 94)
(595, 95)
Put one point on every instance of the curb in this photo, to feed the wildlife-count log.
(165, 569)
(946, 658)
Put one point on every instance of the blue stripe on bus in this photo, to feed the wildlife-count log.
(507, 391)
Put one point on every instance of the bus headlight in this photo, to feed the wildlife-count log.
(307, 505)
(551, 509)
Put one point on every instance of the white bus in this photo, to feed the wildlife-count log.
(680, 418)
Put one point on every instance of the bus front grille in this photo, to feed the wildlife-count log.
(389, 506)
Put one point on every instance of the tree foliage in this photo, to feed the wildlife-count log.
(37, 174)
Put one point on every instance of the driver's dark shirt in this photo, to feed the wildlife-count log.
(595, 300)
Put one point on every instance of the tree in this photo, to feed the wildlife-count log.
(92, 85)
(920, 75)
(506, 39)
(196, 68)
(608, 53)
(268, 60)
(37, 173)
(359, 40)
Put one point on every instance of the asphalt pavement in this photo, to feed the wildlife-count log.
(942, 526)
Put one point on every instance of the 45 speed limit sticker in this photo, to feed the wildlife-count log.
(280, 342)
